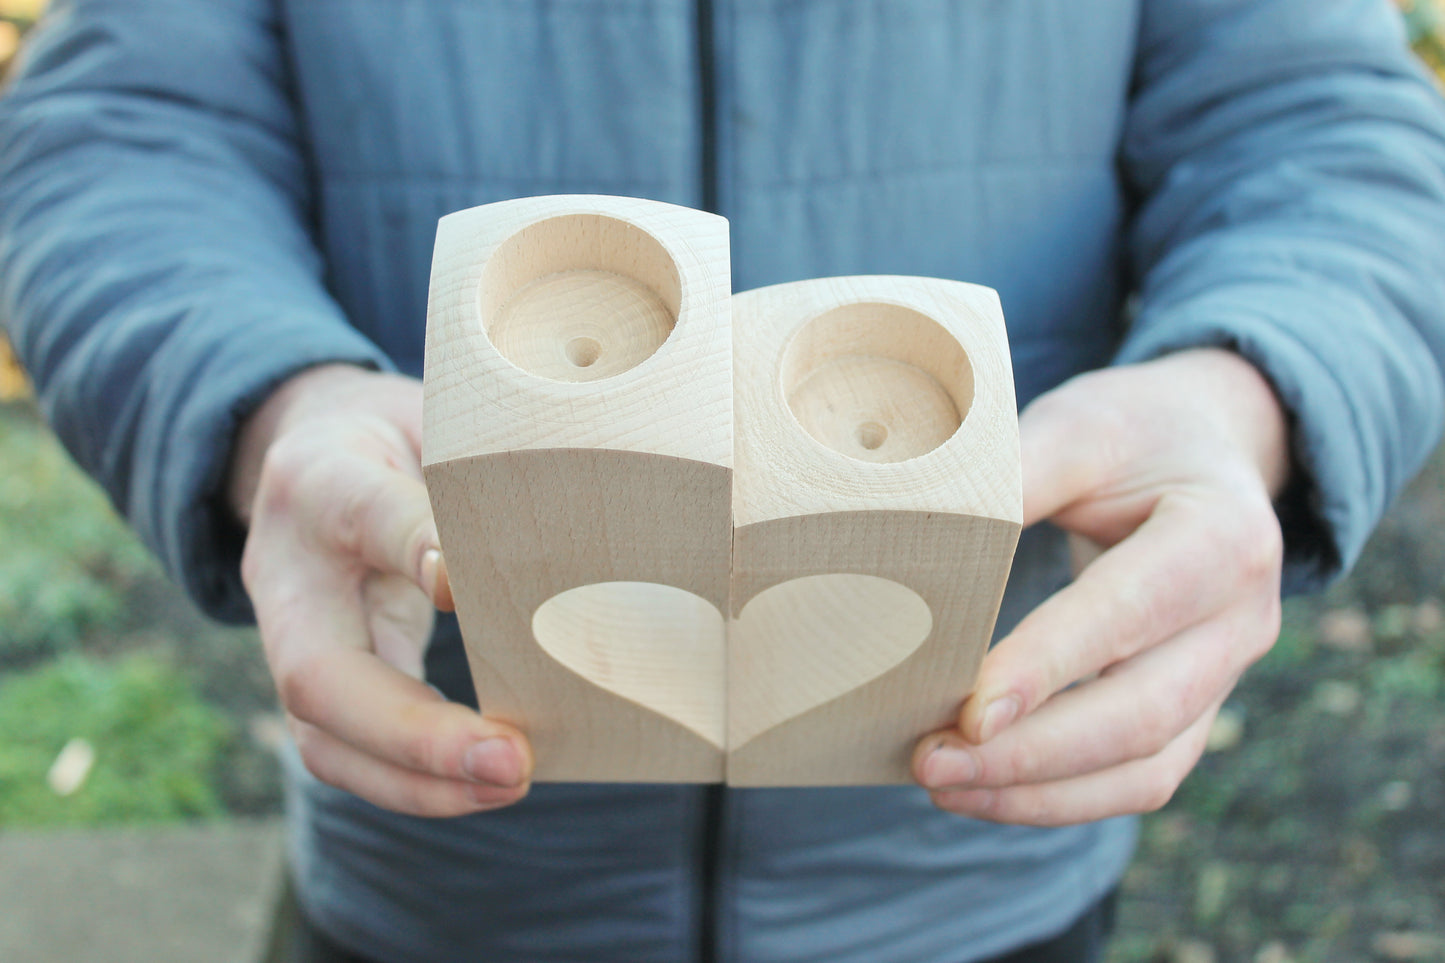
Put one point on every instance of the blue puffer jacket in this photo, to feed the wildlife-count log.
(197, 200)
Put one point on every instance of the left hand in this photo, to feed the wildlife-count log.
(1100, 702)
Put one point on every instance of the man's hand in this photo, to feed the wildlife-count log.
(1099, 703)
(343, 566)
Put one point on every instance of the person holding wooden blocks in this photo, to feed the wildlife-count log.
(1215, 229)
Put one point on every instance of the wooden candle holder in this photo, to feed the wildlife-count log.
(578, 453)
(581, 407)
(877, 502)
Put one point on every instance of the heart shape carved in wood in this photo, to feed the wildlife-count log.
(792, 648)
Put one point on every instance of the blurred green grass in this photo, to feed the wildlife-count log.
(68, 560)
(71, 577)
(155, 743)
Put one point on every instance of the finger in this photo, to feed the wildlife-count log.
(318, 646)
(1131, 712)
(1142, 785)
(392, 787)
(400, 617)
(365, 507)
(400, 720)
(1149, 587)
(373, 513)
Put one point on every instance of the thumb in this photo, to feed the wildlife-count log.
(381, 517)
(403, 540)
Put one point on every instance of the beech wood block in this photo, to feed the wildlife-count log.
(877, 502)
(578, 452)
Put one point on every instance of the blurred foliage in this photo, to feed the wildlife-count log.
(13, 383)
(156, 744)
(1314, 839)
(1425, 21)
(68, 558)
(16, 16)
(22, 11)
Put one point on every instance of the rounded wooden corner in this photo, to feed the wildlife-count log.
(876, 382)
(874, 392)
(571, 321)
(579, 297)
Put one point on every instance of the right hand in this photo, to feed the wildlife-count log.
(344, 569)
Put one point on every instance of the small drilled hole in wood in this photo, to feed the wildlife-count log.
(558, 291)
(877, 382)
(872, 435)
(583, 352)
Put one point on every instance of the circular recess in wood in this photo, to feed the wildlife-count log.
(877, 382)
(580, 297)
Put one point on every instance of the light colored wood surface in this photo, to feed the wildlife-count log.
(877, 501)
(583, 418)
(578, 452)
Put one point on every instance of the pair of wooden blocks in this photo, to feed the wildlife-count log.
(697, 537)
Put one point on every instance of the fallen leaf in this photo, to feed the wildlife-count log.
(1409, 946)
(1226, 731)
(1347, 630)
(1337, 698)
(1212, 893)
(1275, 952)
(268, 730)
(71, 767)
(1191, 951)
(1396, 796)
(1429, 617)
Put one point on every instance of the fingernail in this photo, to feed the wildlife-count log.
(495, 761)
(489, 797)
(430, 562)
(997, 717)
(975, 802)
(949, 766)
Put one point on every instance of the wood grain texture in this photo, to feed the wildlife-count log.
(578, 453)
(877, 501)
(639, 609)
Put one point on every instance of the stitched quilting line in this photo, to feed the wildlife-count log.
(530, 7)
(1084, 165)
(414, 179)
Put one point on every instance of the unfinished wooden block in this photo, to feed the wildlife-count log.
(578, 452)
(581, 410)
(877, 502)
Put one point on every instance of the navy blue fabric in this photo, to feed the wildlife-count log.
(197, 200)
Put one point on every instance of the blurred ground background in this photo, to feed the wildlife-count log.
(1313, 831)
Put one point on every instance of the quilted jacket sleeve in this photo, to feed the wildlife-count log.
(1289, 162)
(156, 270)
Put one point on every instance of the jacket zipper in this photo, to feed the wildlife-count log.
(710, 843)
(707, 96)
(709, 867)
